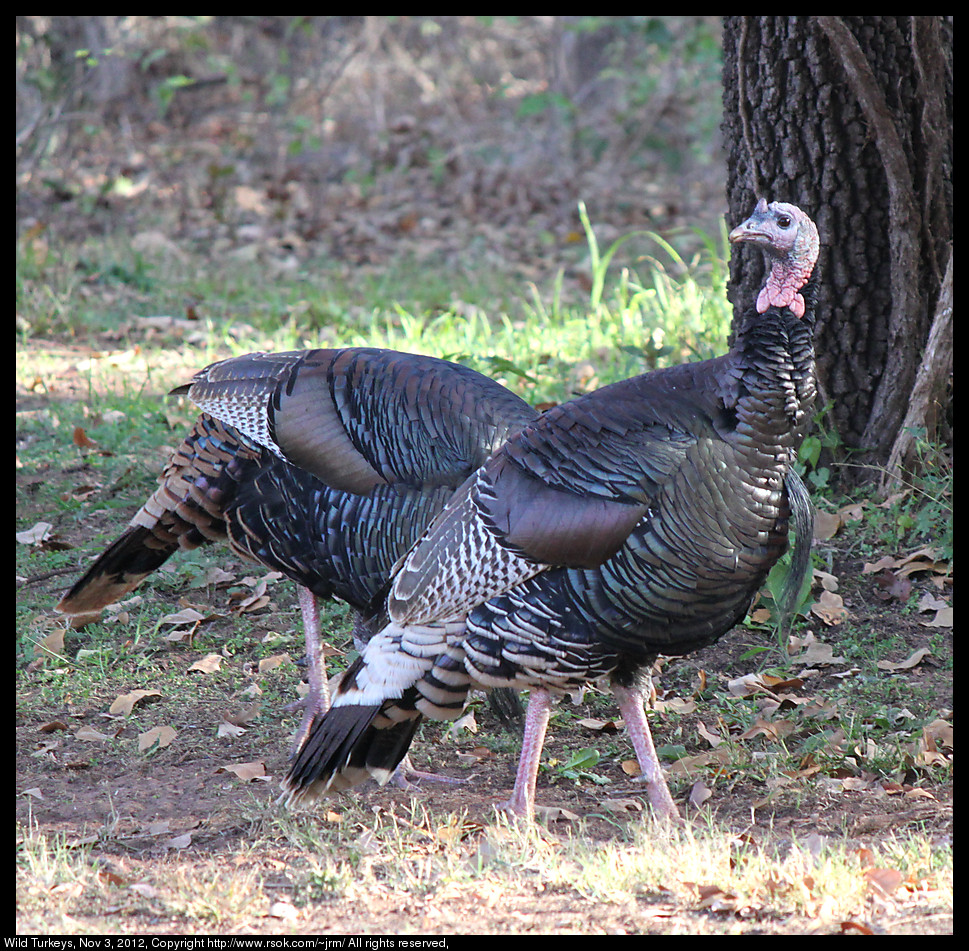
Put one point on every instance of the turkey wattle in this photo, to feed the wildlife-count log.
(634, 521)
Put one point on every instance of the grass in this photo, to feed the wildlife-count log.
(661, 312)
(449, 860)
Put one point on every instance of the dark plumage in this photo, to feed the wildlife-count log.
(637, 520)
(323, 464)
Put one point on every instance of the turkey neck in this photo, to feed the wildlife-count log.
(769, 384)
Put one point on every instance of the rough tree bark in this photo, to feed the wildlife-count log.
(851, 118)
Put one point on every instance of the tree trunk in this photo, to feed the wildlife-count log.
(851, 118)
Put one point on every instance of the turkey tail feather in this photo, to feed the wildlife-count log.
(802, 513)
(344, 748)
(119, 569)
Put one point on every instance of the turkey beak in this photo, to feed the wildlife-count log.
(748, 231)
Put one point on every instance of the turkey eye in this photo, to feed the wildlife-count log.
(784, 221)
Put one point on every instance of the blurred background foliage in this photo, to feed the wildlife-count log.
(365, 135)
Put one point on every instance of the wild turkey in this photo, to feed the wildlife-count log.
(323, 464)
(636, 520)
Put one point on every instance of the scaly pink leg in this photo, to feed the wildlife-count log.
(522, 802)
(630, 701)
(317, 701)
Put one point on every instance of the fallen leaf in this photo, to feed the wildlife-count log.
(714, 898)
(82, 440)
(36, 534)
(622, 805)
(773, 730)
(52, 725)
(934, 745)
(178, 842)
(690, 764)
(180, 634)
(230, 729)
(853, 511)
(781, 685)
(218, 575)
(699, 794)
(677, 705)
(926, 553)
(746, 685)
(555, 814)
(600, 726)
(886, 561)
(51, 647)
(252, 601)
(827, 581)
(46, 748)
(912, 661)
(830, 608)
(889, 585)
(80, 493)
(270, 577)
(244, 717)
(465, 722)
(208, 664)
(919, 793)
(884, 881)
(89, 735)
(271, 663)
(826, 525)
(255, 603)
(712, 738)
(478, 754)
(815, 653)
(247, 772)
(185, 616)
(159, 736)
(66, 890)
(893, 499)
(939, 732)
(943, 618)
(124, 704)
(923, 559)
(929, 602)
(81, 841)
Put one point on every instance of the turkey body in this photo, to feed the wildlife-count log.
(636, 520)
(358, 450)
(325, 465)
